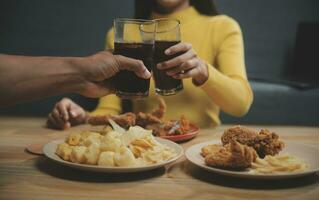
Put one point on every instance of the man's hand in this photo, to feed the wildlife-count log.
(99, 68)
(25, 78)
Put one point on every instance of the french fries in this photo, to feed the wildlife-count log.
(278, 164)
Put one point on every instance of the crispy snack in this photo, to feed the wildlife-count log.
(231, 156)
(160, 111)
(99, 120)
(155, 117)
(145, 119)
(268, 143)
(158, 129)
(124, 120)
(64, 151)
(211, 149)
(130, 119)
(73, 139)
(278, 164)
(135, 147)
(165, 128)
(239, 133)
(265, 142)
(153, 121)
(185, 124)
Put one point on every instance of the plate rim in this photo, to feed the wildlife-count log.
(103, 169)
(245, 174)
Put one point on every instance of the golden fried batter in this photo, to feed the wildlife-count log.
(160, 111)
(265, 142)
(124, 120)
(268, 143)
(239, 133)
(145, 119)
(233, 156)
(211, 149)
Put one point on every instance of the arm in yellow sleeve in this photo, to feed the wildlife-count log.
(110, 104)
(228, 85)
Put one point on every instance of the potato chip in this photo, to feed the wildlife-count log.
(135, 147)
(73, 139)
(91, 155)
(106, 159)
(77, 154)
(124, 157)
(64, 151)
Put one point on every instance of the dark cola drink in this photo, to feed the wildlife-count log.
(127, 84)
(165, 85)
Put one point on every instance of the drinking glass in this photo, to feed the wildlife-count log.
(134, 38)
(167, 35)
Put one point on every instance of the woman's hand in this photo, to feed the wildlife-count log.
(65, 114)
(186, 65)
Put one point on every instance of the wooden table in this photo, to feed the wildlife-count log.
(27, 176)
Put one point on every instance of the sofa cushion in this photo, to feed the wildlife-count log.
(280, 104)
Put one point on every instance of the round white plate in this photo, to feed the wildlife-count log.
(50, 148)
(307, 153)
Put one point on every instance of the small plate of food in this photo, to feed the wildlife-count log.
(113, 151)
(242, 152)
(178, 131)
(175, 130)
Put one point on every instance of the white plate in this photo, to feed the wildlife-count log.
(304, 152)
(50, 148)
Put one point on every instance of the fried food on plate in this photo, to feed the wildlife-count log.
(124, 120)
(160, 111)
(210, 149)
(145, 119)
(153, 121)
(268, 143)
(241, 134)
(134, 147)
(264, 142)
(231, 156)
(278, 164)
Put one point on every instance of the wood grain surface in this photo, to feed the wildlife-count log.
(27, 176)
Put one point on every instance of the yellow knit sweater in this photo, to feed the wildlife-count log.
(218, 41)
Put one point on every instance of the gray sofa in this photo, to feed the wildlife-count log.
(280, 104)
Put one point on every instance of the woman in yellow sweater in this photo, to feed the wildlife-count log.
(213, 61)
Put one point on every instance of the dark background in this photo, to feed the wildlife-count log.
(78, 28)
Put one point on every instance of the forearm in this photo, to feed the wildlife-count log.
(232, 93)
(24, 78)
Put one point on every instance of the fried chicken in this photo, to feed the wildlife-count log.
(152, 121)
(158, 129)
(145, 119)
(155, 117)
(124, 120)
(268, 143)
(264, 142)
(233, 156)
(241, 134)
(211, 149)
(160, 111)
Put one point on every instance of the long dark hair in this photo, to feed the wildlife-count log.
(143, 8)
